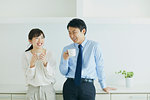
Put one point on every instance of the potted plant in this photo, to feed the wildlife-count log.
(128, 77)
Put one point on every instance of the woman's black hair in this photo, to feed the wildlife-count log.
(34, 33)
(77, 23)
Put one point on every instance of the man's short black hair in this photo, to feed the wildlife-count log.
(77, 23)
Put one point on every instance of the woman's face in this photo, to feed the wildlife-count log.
(37, 42)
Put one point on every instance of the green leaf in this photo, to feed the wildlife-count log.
(126, 74)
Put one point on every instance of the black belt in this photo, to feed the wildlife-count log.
(83, 80)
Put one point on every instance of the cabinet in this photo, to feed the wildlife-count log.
(115, 8)
(18, 96)
(129, 97)
(59, 97)
(99, 96)
(102, 97)
(5, 96)
(42, 8)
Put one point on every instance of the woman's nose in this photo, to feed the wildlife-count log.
(39, 40)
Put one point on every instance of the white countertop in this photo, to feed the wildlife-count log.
(120, 89)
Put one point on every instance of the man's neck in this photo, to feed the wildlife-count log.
(82, 41)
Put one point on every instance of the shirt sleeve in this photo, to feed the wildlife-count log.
(29, 72)
(51, 65)
(63, 67)
(100, 66)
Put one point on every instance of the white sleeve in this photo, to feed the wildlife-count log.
(51, 65)
(29, 72)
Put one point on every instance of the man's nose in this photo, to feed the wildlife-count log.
(71, 36)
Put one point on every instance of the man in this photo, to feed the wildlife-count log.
(81, 70)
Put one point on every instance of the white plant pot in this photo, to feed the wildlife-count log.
(128, 82)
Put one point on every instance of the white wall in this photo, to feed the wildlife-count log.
(37, 8)
(14, 42)
(124, 46)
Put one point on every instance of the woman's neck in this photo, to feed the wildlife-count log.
(35, 50)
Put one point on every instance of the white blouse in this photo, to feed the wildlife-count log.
(39, 75)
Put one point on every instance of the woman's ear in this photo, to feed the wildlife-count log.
(30, 41)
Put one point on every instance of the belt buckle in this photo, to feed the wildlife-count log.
(87, 80)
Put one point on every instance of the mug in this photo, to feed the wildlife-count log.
(72, 52)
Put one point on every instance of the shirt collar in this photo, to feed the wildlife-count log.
(83, 43)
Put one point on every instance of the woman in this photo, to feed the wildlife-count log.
(39, 67)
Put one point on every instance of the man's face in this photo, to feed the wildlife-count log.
(75, 35)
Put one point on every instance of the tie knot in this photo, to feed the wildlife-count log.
(79, 46)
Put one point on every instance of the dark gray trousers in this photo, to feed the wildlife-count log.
(86, 91)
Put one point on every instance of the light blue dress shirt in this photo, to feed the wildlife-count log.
(92, 62)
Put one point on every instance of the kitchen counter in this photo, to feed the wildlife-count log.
(140, 89)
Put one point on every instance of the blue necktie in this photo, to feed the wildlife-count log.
(77, 79)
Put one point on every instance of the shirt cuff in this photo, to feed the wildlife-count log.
(30, 72)
(47, 66)
(63, 67)
(65, 62)
(103, 85)
(31, 69)
(49, 70)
